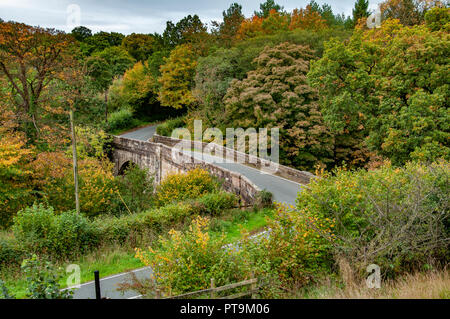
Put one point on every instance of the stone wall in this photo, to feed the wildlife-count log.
(162, 160)
(301, 177)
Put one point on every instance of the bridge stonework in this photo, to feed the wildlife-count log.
(160, 162)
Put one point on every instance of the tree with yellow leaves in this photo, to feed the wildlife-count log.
(177, 78)
(14, 154)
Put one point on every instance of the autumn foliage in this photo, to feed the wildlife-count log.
(276, 94)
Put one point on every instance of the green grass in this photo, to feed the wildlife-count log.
(108, 261)
(233, 225)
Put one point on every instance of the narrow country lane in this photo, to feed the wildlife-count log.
(283, 190)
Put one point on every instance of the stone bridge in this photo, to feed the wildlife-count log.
(245, 180)
(160, 160)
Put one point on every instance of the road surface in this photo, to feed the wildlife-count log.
(142, 134)
(283, 190)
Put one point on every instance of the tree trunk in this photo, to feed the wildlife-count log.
(75, 163)
(106, 106)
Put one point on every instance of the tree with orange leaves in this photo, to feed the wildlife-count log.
(34, 61)
(409, 12)
(13, 176)
(307, 19)
(250, 28)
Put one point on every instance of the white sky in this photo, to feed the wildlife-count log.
(140, 16)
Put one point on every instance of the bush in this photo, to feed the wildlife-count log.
(264, 199)
(121, 119)
(53, 176)
(291, 250)
(10, 252)
(215, 203)
(43, 280)
(193, 184)
(41, 231)
(397, 218)
(125, 228)
(166, 128)
(136, 190)
(187, 261)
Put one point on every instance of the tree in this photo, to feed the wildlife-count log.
(385, 89)
(34, 61)
(101, 41)
(139, 46)
(81, 33)
(177, 78)
(307, 18)
(438, 19)
(276, 22)
(187, 30)
(232, 19)
(361, 10)
(250, 28)
(409, 12)
(14, 176)
(136, 88)
(276, 94)
(104, 66)
(266, 7)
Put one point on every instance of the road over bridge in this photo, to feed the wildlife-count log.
(150, 155)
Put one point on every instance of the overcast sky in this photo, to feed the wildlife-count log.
(140, 16)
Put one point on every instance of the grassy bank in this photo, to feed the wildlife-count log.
(112, 260)
(430, 285)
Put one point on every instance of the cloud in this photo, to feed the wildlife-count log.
(140, 16)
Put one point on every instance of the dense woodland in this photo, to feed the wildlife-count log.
(343, 96)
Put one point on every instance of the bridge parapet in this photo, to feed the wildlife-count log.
(289, 173)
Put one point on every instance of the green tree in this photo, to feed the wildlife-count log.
(177, 78)
(389, 95)
(139, 46)
(81, 33)
(232, 19)
(361, 10)
(266, 7)
(186, 30)
(276, 94)
(43, 280)
(101, 41)
(438, 19)
(104, 66)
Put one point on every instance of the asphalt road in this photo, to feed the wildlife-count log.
(283, 190)
(142, 134)
(109, 285)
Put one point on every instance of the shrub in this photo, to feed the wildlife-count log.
(120, 119)
(43, 280)
(40, 230)
(53, 176)
(166, 128)
(264, 199)
(187, 261)
(215, 203)
(136, 190)
(192, 184)
(125, 228)
(10, 252)
(397, 218)
(91, 142)
(292, 251)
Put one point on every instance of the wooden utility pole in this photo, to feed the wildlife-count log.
(75, 163)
